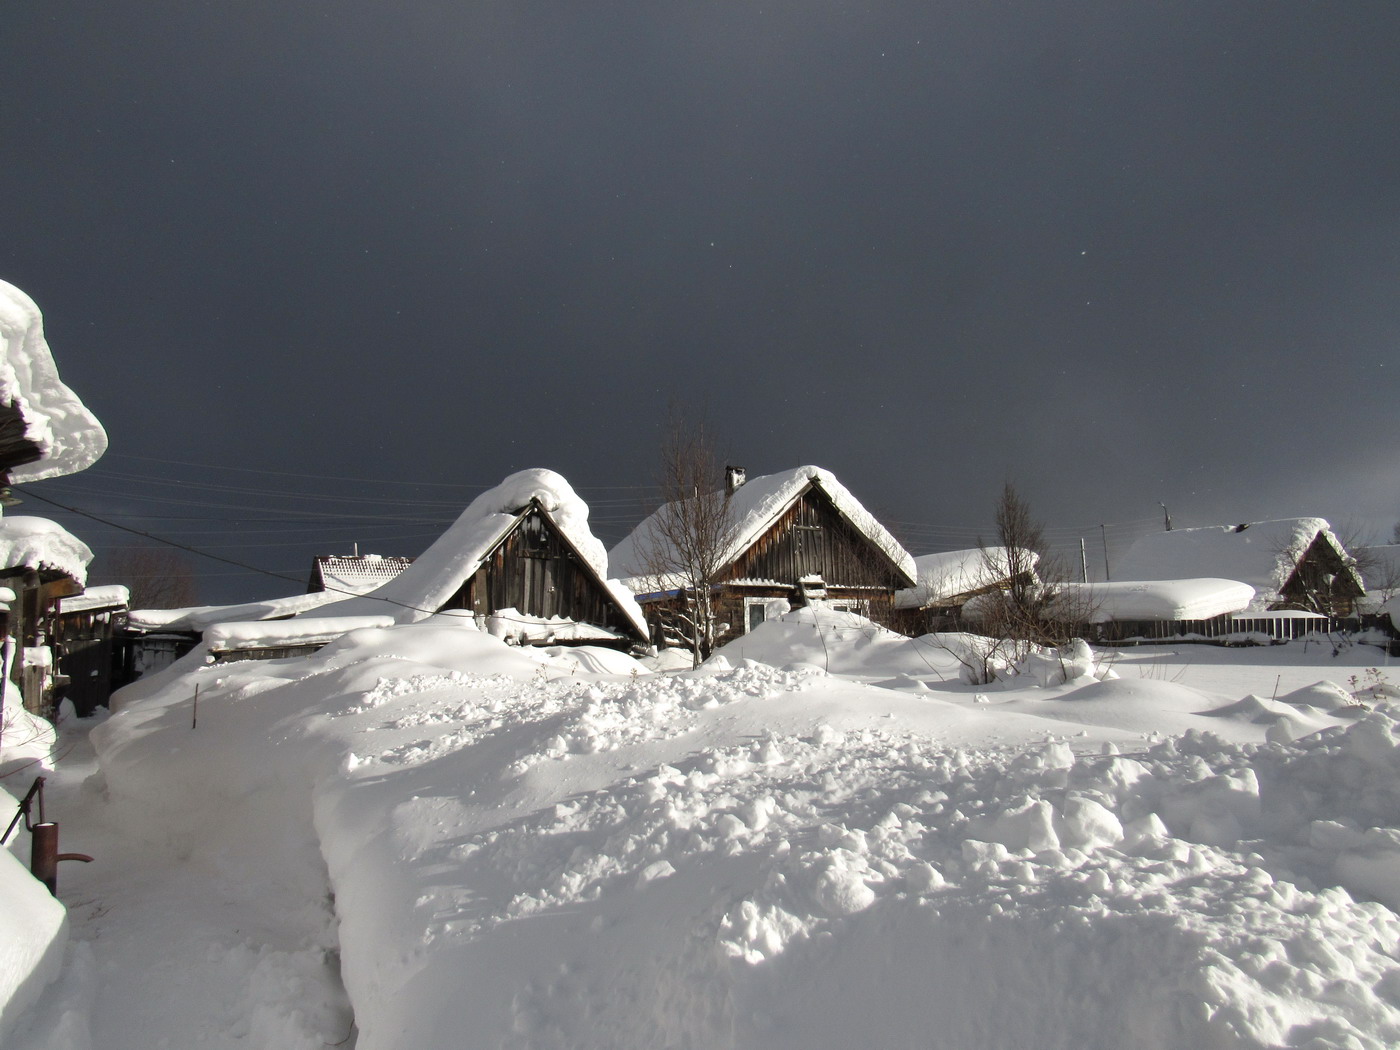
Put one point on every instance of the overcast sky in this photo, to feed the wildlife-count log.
(295, 254)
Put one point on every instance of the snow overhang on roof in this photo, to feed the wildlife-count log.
(68, 435)
(754, 507)
(42, 545)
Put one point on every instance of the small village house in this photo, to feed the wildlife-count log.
(798, 536)
(353, 573)
(1298, 568)
(947, 581)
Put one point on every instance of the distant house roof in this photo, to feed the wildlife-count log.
(1263, 554)
(441, 570)
(354, 573)
(754, 507)
(950, 574)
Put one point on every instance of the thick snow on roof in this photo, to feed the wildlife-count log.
(1198, 599)
(54, 418)
(1262, 554)
(38, 543)
(201, 617)
(754, 507)
(439, 572)
(108, 596)
(304, 630)
(949, 573)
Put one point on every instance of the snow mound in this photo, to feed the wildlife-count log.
(838, 642)
(54, 419)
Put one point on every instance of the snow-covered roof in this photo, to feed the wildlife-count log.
(357, 573)
(38, 543)
(753, 508)
(54, 419)
(441, 570)
(949, 573)
(201, 617)
(308, 630)
(108, 596)
(1262, 554)
(1198, 599)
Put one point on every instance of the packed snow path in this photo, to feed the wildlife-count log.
(219, 936)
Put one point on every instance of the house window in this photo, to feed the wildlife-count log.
(859, 606)
(755, 612)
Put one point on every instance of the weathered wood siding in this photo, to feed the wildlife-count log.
(535, 571)
(1322, 583)
(813, 539)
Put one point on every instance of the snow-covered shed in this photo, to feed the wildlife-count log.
(798, 535)
(87, 647)
(522, 559)
(947, 580)
(1292, 563)
(354, 573)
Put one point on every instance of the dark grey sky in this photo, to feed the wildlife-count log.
(1120, 253)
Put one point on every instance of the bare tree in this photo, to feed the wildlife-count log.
(1024, 601)
(158, 577)
(686, 541)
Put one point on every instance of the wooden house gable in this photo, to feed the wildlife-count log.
(534, 569)
(1324, 580)
(812, 538)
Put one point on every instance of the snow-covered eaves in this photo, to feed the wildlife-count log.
(441, 570)
(1262, 554)
(42, 545)
(1156, 600)
(753, 508)
(68, 435)
(948, 574)
(200, 618)
(304, 631)
(96, 599)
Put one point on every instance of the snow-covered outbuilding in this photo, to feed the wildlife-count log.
(45, 432)
(1292, 563)
(798, 536)
(947, 580)
(522, 560)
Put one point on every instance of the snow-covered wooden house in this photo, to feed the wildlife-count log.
(86, 645)
(45, 432)
(799, 536)
(948, 580)
(1294, 564)
(522, 560)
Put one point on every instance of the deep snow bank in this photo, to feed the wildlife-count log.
(527, 854)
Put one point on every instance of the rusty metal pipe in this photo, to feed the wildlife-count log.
(44, 855)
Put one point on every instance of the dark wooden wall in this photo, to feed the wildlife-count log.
(813, 539)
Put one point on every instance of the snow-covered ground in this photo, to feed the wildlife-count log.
(423, 837)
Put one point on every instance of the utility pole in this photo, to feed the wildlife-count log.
(1166, 517)
(1083, 560)
(1103, 532)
